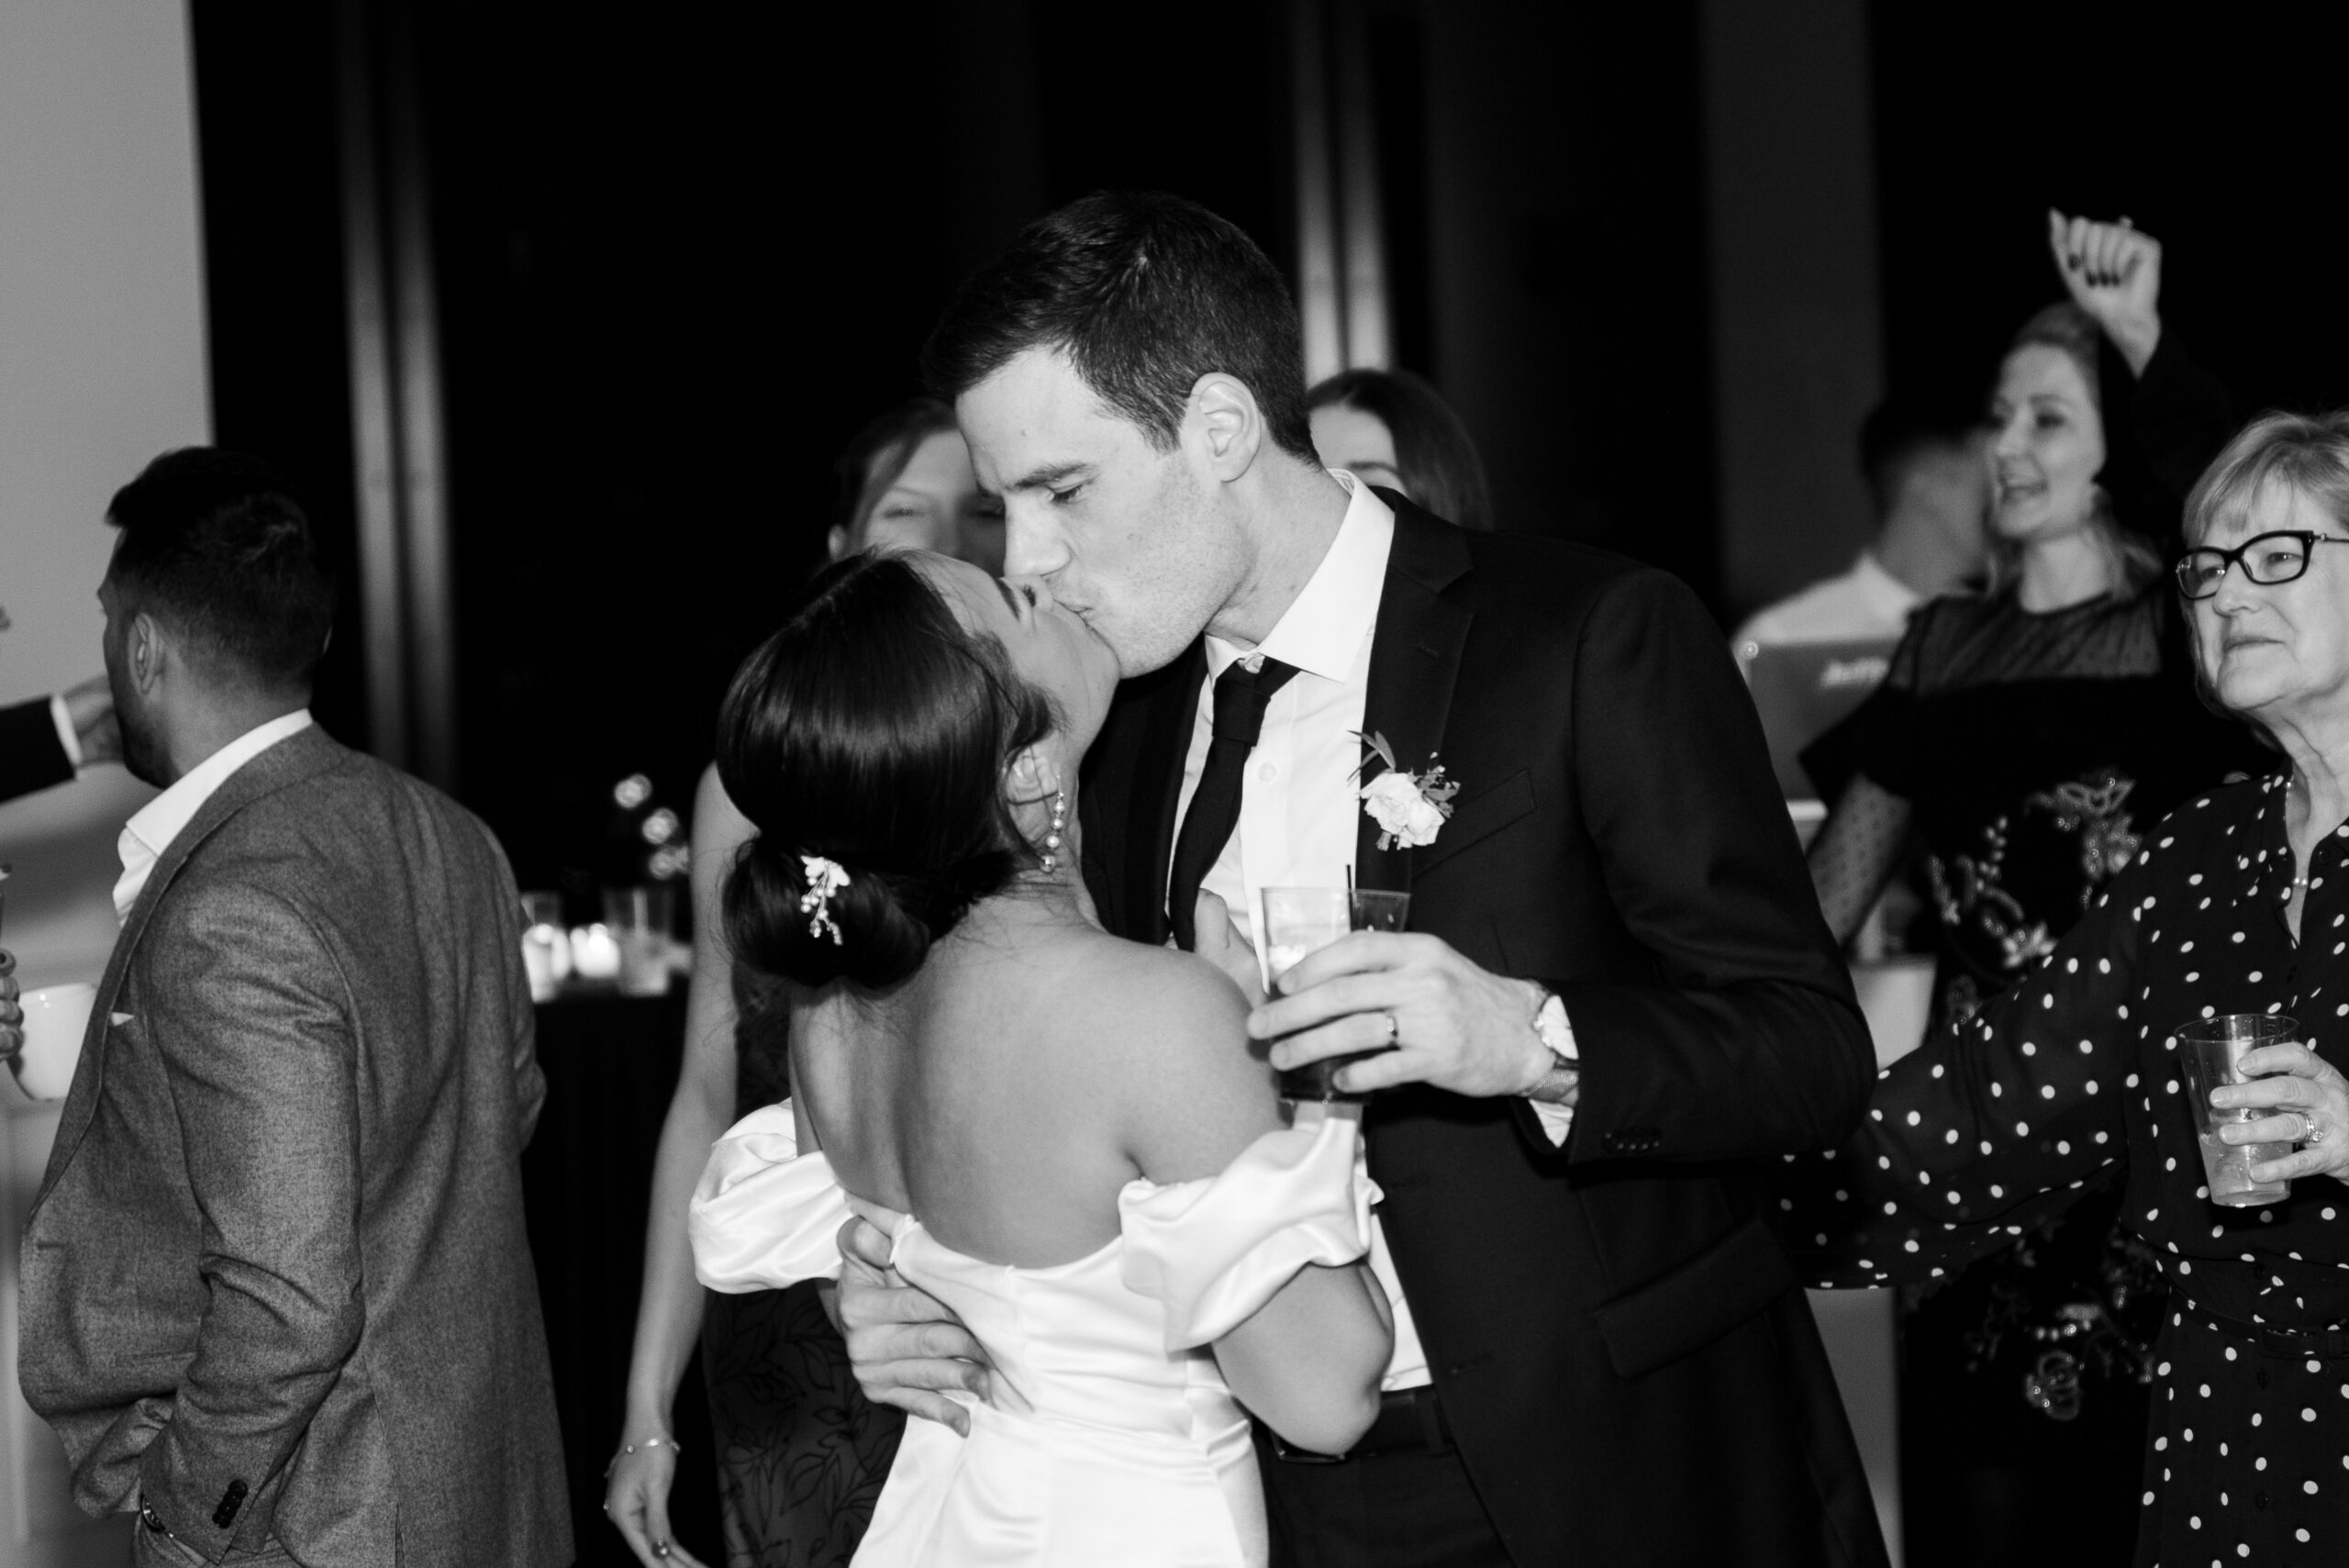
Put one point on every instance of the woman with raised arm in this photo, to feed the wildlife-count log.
(800, 1452)
(1084, 1159)
(2028, 734)
(2071, 1082)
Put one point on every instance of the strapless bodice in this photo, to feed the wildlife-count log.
(1109, 1421)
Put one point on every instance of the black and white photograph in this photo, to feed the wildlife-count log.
(1296, 783)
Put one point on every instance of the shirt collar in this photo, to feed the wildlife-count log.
(151, 829)
(1322, 631)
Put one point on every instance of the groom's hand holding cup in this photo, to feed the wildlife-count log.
(1448, 1022)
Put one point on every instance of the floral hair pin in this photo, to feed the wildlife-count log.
(1410, 808)
(824, 879)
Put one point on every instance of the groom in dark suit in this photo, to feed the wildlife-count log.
(1616, 1002)
(277, 1298)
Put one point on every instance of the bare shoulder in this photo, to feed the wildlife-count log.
(1154, 999)
(1166, 1032)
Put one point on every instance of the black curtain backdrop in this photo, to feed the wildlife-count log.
(2213, 130)
(678, 264)
(272, 266)
(679, 267)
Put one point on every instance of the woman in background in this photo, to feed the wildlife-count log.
(1392, 429)
(2072, 1080)
(907, 484)
(2030, 735)
(801, 1454)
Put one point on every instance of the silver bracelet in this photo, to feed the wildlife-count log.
(626, 1449)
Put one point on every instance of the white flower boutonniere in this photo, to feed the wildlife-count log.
(1410, 808)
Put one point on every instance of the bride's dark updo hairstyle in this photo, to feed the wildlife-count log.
(873, 730)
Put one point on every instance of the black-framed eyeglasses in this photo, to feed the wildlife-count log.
(2267, 559)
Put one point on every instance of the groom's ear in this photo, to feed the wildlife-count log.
(145, 648)
(1224, 420)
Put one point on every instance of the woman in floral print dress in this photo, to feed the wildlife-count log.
(2029, 736)
(2237, 903)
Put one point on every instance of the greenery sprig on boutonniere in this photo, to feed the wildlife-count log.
(1411, 808)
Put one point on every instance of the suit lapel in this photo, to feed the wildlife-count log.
(294, 757)
(1414, 665)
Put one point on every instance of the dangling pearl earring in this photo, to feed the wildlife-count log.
(1052, 835)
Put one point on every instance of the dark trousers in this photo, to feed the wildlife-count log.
(1409, 1509)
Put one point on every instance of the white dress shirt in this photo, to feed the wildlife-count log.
(152, 827)
(1297, 808)
(1865, 602)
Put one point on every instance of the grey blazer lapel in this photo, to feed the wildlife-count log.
(295, 758)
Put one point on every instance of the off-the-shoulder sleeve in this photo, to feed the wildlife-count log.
(1214, 1251)
(763, 1215)
(1989, 1128)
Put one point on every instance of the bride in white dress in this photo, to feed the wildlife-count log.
(1082, 1156)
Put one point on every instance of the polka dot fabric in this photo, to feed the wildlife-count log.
(1994, 1128)
(2246, 1462)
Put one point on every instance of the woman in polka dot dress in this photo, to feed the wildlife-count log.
(2238, 904)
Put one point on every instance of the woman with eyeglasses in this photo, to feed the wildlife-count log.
(2237, 903)
(2030, 735)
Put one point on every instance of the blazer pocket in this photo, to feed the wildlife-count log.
(1476, 816)
(1683, 1311)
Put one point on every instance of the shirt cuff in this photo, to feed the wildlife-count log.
(62, 717)
(1556, 1119)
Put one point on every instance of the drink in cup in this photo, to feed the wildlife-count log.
(2211, 1051)
(56, 1019)
(640, 919)
(1295, 921)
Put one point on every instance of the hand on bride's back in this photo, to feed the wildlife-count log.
(904, 1345)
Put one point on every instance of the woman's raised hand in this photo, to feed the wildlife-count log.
(2310, 1100)
(2115, 274)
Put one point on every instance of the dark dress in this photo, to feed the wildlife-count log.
(2070, 1081)
(801, 1453)
(2035, 750)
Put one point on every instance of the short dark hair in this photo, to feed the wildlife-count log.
(214, 544)
(1146, 293)
(1434, 457)
(1900, 429)
(870, 730)
(877, 456)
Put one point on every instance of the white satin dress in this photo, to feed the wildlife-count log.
(1112, 1438)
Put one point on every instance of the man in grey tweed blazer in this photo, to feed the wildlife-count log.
(277, 1295)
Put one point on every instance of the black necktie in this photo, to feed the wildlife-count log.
(1242, 696)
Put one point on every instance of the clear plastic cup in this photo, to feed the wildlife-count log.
(2212, 1050)
(1295, 921)
(641, 920)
